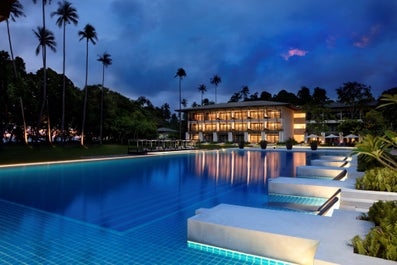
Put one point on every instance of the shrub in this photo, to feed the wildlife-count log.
(381, 241)
(313, 145)
(365, 162)
(378, 179)
(263, 144)
(290, 142)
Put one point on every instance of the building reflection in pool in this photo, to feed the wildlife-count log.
(251, 167)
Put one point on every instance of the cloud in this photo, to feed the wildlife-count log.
(293, 52)
(365, 39)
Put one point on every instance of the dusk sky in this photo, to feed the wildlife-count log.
(264, 44)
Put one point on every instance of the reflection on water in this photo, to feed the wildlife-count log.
(252, 167)
(125, 193)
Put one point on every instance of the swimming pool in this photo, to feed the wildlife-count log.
(128, 211)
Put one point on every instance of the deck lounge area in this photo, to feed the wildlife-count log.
(291, 236)
(142, 146)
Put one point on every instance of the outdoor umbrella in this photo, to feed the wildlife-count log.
(351, 136)
(331, 136)
(312, 136)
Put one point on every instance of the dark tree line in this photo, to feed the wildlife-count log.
(362, 115)
(123, 118)
(46, 106)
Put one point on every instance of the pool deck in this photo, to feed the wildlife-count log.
(333, 233)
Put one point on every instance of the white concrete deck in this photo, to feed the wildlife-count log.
(282, 235)
(333, 233)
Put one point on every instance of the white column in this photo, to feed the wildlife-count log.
(263, 136)
(230, 137)
(281, 136)
(215, 137)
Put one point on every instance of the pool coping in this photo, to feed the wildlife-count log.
(124, 156)
(95, 158)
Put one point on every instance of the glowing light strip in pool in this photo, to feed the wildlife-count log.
(236, 254)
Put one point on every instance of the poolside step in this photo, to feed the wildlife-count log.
(295, 203)
(321, 171)
(362, 200)
(330, 163)
(336, 158)
(359, 205)
(368, 194)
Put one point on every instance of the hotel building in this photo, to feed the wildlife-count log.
(249, 121)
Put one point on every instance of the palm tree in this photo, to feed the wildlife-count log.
(202, 88)
(45, 38)
(44, 54)
(90, 35)
(15, 12)
(106, 61)
(66, 15)
(389, 99)
(43, 3)
(381, 148)
(181, 74)
(215, 81)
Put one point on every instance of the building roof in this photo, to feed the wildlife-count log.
(242, 104)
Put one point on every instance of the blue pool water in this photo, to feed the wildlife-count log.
(128, 211)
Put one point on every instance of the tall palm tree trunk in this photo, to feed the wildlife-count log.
(49, 134)
(25, 134)
(44, 53)
(101, 114)
(63, 87)
(85, 97)
(180, 107)
(11, 51)
(44, 93)
(16, 77)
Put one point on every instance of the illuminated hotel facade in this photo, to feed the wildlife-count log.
(249, 121)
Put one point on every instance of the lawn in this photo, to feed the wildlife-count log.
(15, 154)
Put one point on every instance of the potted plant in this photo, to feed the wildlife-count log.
(289, 143)
(313, 145)
(263, 144)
